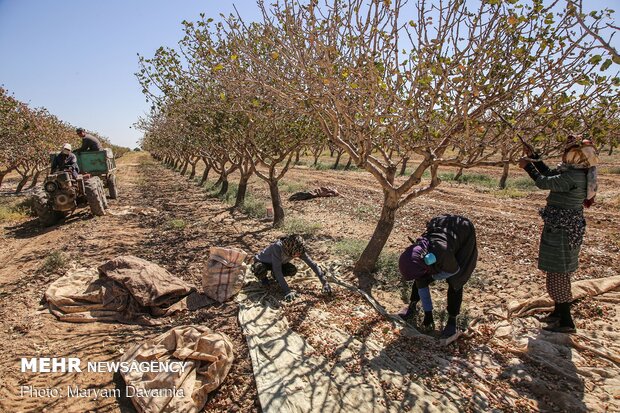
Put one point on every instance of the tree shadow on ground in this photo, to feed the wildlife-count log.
(33, 227)
(548, 374)
(542, 373)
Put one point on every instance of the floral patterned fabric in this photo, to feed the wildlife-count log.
(570, 220)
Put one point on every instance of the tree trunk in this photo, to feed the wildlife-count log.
(367, 262)
(2, 175)
(23, 182)
(611, 150)
(276, 203)
(331, 152)
(35, 179)
(337, 160)
(348, 165)
(224, 188)
(504, 178)
(403, 168)
(219, 181)
(458, 174)
(243, 186)
(297, 157)
(184, 170)
(316, 159)
(192, 173)
(205, 175)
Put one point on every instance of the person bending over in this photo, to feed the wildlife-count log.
(276, 259)
(446, 251)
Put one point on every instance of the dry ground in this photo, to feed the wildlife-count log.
(186, 222)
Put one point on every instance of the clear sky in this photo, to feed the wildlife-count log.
(77, 58)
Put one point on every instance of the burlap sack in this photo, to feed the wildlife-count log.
(224, 274)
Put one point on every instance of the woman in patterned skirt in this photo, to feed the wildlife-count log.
(572, 186)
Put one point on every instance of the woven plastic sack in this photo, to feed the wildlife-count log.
(224, 275)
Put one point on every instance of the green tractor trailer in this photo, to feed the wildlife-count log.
(62, 193)
(101, 164)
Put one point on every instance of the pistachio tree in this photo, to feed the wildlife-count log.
(433, 85)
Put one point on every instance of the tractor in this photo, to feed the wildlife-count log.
(62, 193)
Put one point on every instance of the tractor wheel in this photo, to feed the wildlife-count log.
(112, 187)
(103, 197)
(47, 216)
(94, 196)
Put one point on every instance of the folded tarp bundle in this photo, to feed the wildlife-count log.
(203, 359)
(321, 192)
(127, 289)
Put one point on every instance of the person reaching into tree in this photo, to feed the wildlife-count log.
(276, 258)
(572, 185)
(446, 251)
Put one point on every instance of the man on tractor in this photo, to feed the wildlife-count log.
(66, 161)
(89, 142)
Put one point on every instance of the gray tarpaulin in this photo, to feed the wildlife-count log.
(292, 377)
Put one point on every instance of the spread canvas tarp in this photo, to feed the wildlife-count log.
(580, 289)
(224, 273)
(126, 289)
(291, 376)
(588, 361)
(208, 356)
(503, 362)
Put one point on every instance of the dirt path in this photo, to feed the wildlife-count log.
(176, 235)
(164, 218)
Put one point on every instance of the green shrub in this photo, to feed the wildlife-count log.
(300, 226)
(522, 182)
(387, 266)
(12, 209)
(319, 166)
(254, 207)
(349, 248)
(231, 195)
(54, 262)
(611, 170)
(177, 223)
(292, 187)
(479, 179)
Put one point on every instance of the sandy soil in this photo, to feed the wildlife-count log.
(178, 225)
